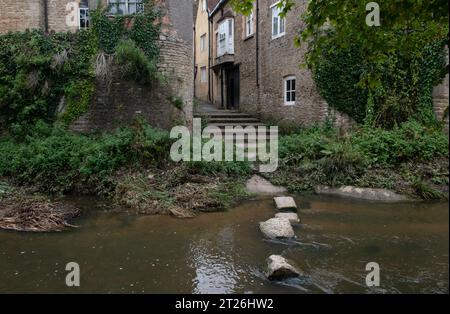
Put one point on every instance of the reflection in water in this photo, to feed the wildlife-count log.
(225, 252)
(213, 261)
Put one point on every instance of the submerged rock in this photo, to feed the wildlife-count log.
(278, 268)
(277, 228)
(292, 217)
(285, 203)
(259, 185)
(381, 195)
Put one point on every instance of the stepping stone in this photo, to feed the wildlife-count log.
(277, 228)
(285, 203)
(278, 268)
(381, 195)
(259, 185)
(292, 217)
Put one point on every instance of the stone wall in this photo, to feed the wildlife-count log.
(245, 56)
(118, 103)
(280, 58)
(20, 15)
(441, 102)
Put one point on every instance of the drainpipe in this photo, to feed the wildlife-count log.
(257, 45)
(195, 60)
(46, 16)
(209, 59)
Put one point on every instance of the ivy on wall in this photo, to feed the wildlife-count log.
(404, 92)
(41, 72)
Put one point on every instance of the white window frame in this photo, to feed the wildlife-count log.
(286, 91)
(281, 22)
(203, 75)
(203, 42)
(127, 3)
(249, 25)
(225, 38)
(87, 20)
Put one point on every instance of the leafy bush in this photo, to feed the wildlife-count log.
(55, 160)
(134, 64)
(227, 168)
(319, 156)
(411, 141)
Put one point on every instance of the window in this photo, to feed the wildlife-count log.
(225, 42)
(203, 42)
(123, 7)
(249, 25)
(289, 91)
(278, 22)
(203, 74)
(84, 18)
(203, 5)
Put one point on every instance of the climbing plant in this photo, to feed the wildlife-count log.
(40, 73)
(36, 71)
(404, 92)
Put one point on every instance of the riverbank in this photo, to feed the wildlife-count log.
(132, 169)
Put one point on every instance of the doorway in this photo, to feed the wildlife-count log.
(233, 84)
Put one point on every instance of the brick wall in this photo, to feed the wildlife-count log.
(20, 15)
(57, 16)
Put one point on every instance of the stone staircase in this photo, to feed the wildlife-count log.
(231, 118)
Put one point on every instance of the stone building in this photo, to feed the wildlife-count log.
(48, 15)
(118, 103)
(201, 48)
(255, 67)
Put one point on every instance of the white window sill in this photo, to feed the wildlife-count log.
(291, 103)
(278, 36)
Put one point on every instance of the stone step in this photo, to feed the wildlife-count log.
(224, 125)
(233, 120)
(224, 116)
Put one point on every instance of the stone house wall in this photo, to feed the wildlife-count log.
(264, 65)
(201, 56)
(20, 15)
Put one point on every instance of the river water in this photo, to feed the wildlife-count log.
(225, 252)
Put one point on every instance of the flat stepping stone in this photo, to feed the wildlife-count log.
(277, 228)
(368, 194)
(285, 203)
(292, 217)
(259, 185)
(278, 268)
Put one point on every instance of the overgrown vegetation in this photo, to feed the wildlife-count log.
(369, 157)
(405, 86)
(131, 165)
(44, 77)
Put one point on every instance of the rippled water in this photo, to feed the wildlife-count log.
(225, 252)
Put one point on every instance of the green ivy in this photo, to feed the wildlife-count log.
(37, 70)
(404, 90)
(78, 97)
